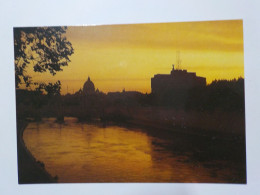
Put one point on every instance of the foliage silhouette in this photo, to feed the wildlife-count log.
(50, 88)
(45, 48)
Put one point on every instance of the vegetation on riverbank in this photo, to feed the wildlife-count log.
(218, 107)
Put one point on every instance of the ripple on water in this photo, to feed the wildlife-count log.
(79, 152)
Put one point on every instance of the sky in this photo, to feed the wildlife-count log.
(118, 57)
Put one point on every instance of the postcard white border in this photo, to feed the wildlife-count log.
(95, 12)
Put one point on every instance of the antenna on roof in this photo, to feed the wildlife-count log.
(178, 60)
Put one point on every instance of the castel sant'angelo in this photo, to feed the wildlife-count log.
(178, 79)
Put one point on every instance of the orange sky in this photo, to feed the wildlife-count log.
(127, 56)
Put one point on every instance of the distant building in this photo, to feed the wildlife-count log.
(88, 87)
(124, 93)
(178, 79)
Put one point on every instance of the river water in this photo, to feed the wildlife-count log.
(80, 152)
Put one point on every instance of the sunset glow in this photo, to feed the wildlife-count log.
(118, 57)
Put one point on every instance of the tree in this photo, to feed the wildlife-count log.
(44, 48)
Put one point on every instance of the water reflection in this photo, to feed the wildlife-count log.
(78, 152)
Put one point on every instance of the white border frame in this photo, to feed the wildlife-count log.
(90, 12)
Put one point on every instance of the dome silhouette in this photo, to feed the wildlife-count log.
(88, 87)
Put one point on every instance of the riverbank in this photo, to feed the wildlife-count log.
(217, 124)
(29, 169)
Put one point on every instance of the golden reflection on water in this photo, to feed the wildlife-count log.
(77, 152)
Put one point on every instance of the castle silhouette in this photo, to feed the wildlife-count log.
(178, 79)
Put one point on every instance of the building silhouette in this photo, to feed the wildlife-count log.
(177, 80)
(88, 87)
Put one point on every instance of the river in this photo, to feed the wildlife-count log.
(81, 152)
